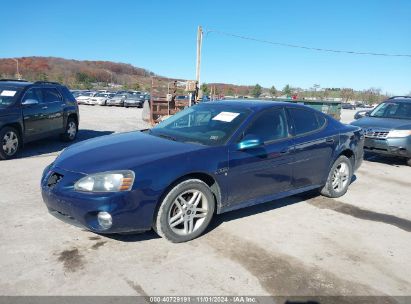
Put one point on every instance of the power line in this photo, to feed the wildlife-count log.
(305, 47)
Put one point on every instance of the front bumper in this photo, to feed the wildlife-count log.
(400, 147)
(114, 103)
(133, 104)
(131, 211)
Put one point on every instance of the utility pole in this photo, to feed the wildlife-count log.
(199, 45)
(17, 68)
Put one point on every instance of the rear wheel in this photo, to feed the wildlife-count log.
(185, 212)
(9, 142)
(339, 178)
(70, 132)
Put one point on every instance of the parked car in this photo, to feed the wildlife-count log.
(207, 159)
(134, 101)
(84, 98)
(116, 100)
(348, 106)
(100, 99)
(388, 128)
(31, 111)
(75, 93)
(361, 114)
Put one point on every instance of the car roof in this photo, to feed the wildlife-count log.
(25, 83)
(16, 83)
(405, 99)
(255, 105)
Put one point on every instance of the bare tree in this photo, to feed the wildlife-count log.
(347, 94)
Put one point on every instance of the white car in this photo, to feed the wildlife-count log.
(100, 99)
(84, 98)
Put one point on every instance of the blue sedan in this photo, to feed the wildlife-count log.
(208, 159)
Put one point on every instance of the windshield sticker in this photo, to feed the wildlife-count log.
(8, 93)
(226, 116)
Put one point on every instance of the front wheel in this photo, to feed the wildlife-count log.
(339, 178)
(70, 132)
(9, 142)
(185, 212)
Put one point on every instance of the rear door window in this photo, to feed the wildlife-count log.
(321, 120)
(51, 95)
(305, 121)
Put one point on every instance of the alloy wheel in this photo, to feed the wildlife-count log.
(340, 177)
(10, 143)
(71, 129)
(188, 212)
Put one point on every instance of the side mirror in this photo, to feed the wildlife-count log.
(30, 102)
(249, 142)
(367, 113)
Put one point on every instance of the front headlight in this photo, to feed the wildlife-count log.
(398, 133)
(113, 181)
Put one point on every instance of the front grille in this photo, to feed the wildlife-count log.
(54, 179)
(376, 134)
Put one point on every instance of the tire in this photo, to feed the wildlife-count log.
(339, 178)
(10, 142)
(179, 220)
(408, 162)
(71, 130)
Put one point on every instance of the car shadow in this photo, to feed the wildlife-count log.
(260, 208)
(392, 161)
(133, 237)
(54, 144)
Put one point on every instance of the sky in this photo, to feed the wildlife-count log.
(161, 36)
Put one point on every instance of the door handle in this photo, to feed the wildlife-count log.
(329, 140)
(45, 107)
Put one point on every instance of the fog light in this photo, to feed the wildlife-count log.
(104, 220)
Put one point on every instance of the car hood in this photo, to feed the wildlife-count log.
(383, 123)
(119, 152)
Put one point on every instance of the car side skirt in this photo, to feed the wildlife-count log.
(266, 199)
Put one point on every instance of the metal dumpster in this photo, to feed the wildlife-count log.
(332, 108)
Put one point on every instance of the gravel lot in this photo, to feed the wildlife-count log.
(305, 245)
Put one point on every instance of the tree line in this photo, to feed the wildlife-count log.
(368, 96)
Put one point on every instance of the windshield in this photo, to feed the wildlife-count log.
(7, 95)
(209, 125)
(392, 109)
